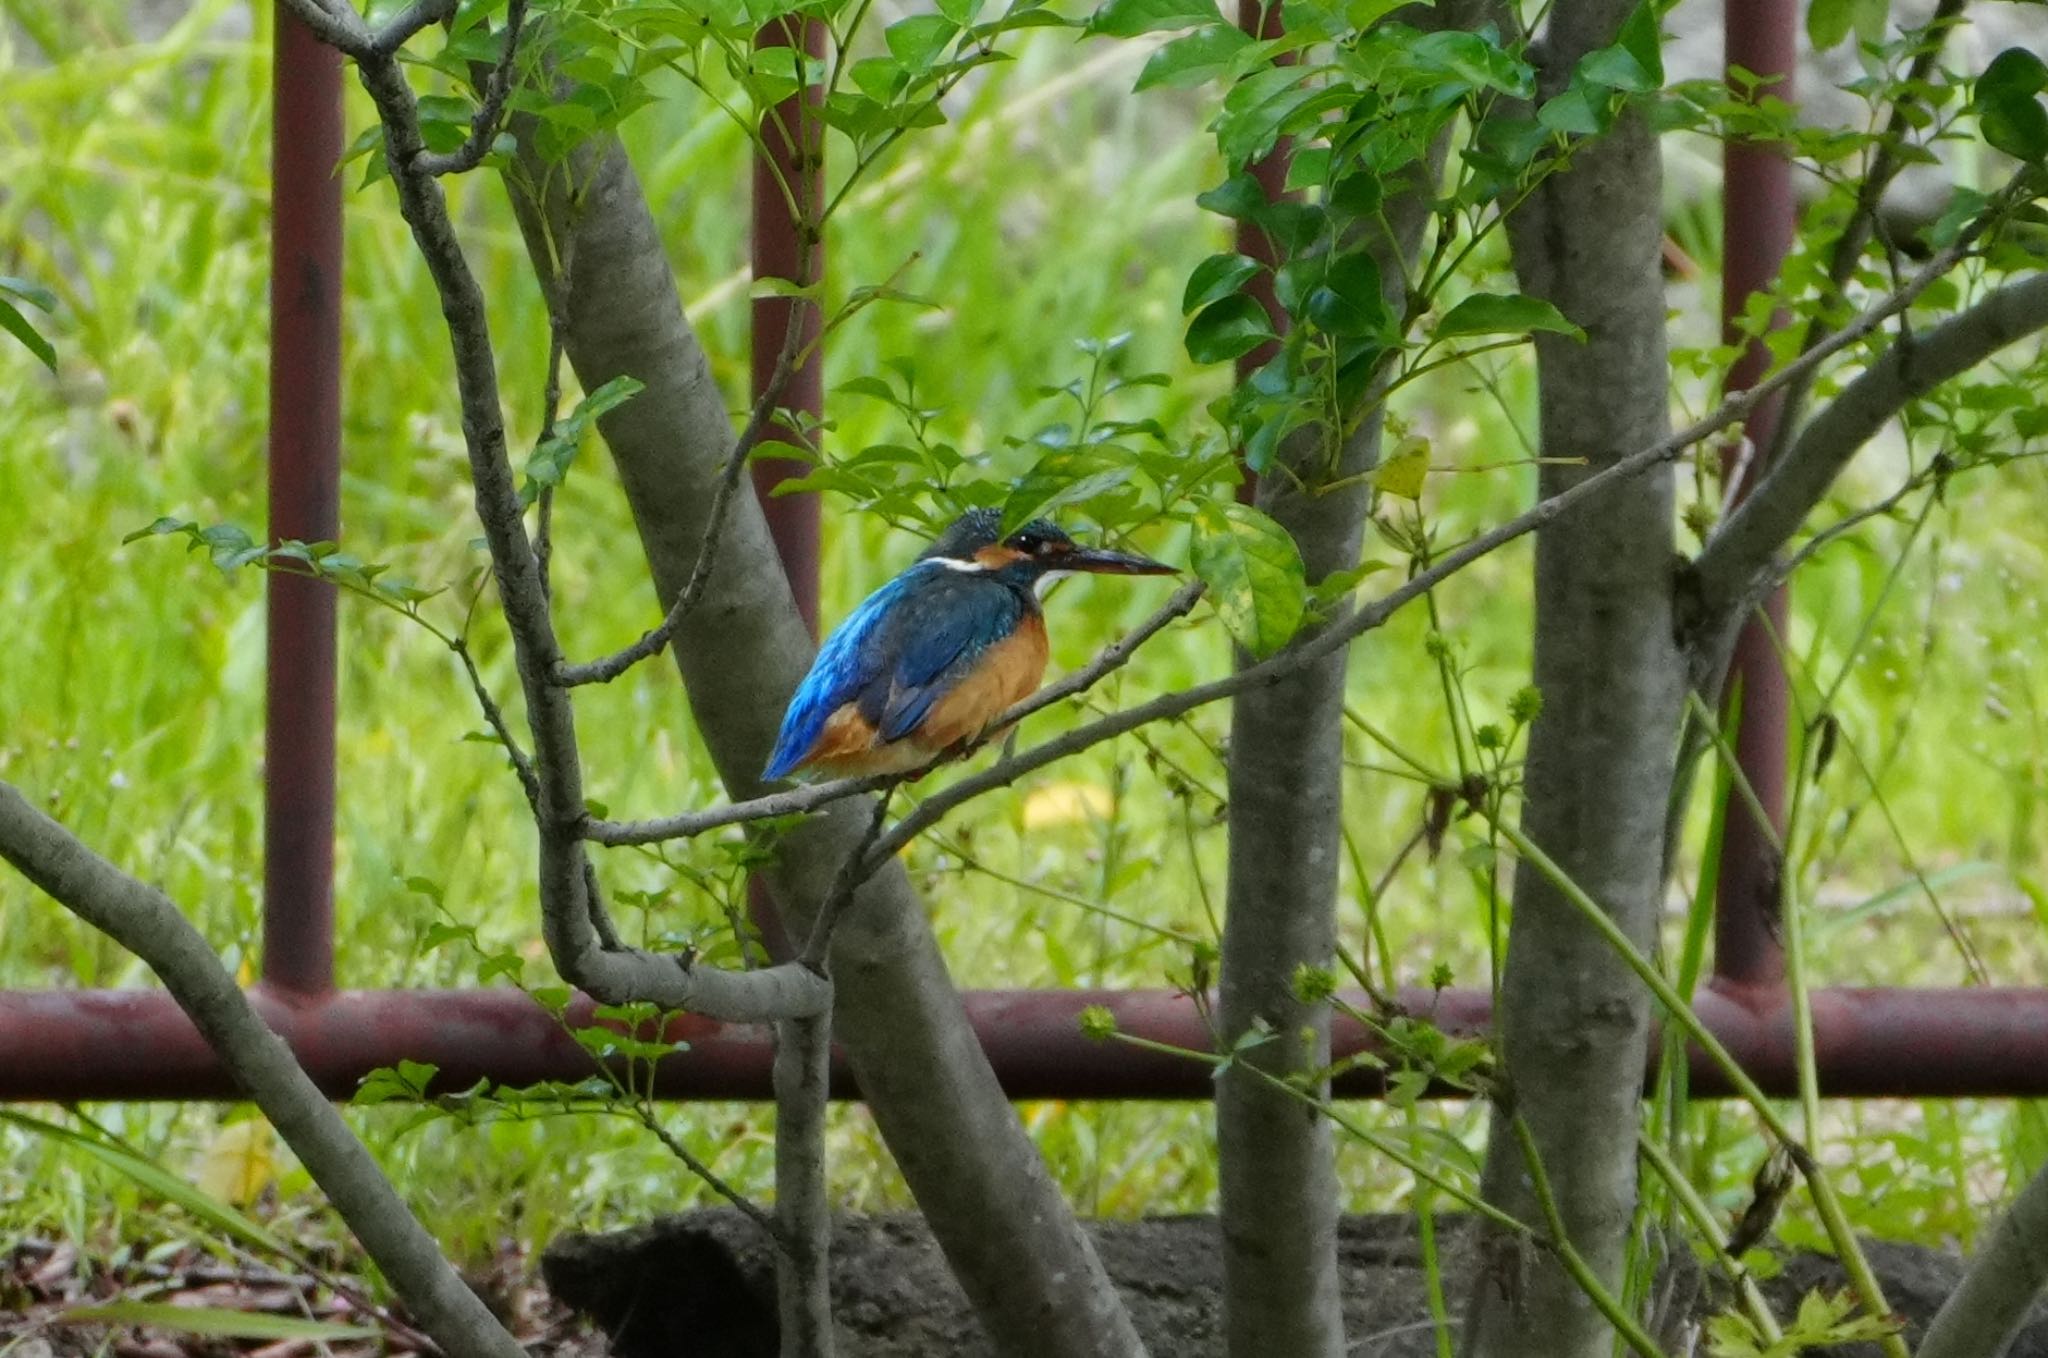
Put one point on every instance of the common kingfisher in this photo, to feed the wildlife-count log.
(927, 662)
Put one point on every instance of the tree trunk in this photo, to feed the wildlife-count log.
(1277, 1167)
(1029, 1271)
(1573, 1020)
(1279, 1176)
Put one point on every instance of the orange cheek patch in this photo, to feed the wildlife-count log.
(998, 556)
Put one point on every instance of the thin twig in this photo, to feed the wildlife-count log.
(415, 18)
(337, 25)
(689, 824)
(711, 1178)
(529, 782)
(490, 112)
(607, 668)
(849, 878)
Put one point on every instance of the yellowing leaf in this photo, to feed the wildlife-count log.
(240, 1164)
(1403, 472)
(1068, 803)
(1254, 574)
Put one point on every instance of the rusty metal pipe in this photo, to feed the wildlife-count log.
(1758, 214)
(794, 135)
(305, 501)
(1262, 21)
(86, 1045)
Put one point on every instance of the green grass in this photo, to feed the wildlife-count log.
(1056, 208)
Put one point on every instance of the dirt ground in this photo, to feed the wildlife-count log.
(701, 1285)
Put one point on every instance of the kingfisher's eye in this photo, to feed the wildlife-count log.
(1028, 543)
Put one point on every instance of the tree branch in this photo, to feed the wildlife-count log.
(414, 18)
(577, 944)
(483, 124)
(145, 922)
(608, 668)
(689, 824)
(1998, 1289)
(1912, 367)
(337, 25)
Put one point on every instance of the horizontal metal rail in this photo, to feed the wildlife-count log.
(135, 1044)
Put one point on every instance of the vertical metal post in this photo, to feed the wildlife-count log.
(1758, 215)
(789, 245)
(1261, 19)
(305, 493)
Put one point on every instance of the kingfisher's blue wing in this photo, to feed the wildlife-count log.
(897, 654)
(848, 663)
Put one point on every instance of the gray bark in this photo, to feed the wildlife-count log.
(803, 1208)
(1030, 1272)
(145, 922)
(1986, 1310)
(1277, 1166)
(1275, 1155)
(1574, 1021)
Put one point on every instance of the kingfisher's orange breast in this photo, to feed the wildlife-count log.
(1007, 673)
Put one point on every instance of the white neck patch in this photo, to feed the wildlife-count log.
(1045, 582)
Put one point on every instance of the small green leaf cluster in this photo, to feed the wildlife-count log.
(231, 547)
(1824, 1320)
(548, 465)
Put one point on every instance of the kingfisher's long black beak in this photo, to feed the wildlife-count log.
(1104, 562)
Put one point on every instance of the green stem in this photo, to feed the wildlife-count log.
(1836, 1222)
(1709, 1226)
(1582, 1273)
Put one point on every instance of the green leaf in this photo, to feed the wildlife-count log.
(1257, 108)
(35, 294)
(2014, 73)
(1224, 329)
(916, 42)
(1129, 18)
(549, 463)
(2018, 127)
(17, 325)
(1577, 110)
(1643, 38)
(215, 1321)
(1487, 313)
(1194, 58)
(158, 1182)
(1239, 198)
(1217, 277)
(1064, 476)
(1254, 574)
(2008, 113)
(1830, 22)
(1349, 302)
